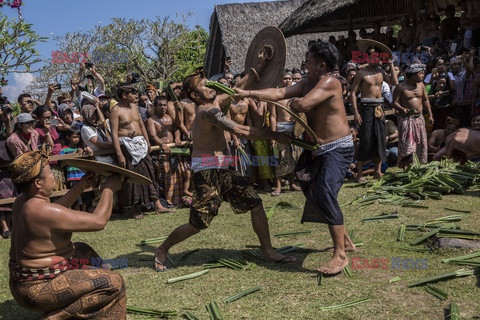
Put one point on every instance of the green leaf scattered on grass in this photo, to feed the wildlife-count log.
(446, 276)
(347, 272)
(344, 305)
(424, 237)
(401, 233)
(454, 312)
(214, 311)
(287, 234)
(381, 217)
(188, 276)
(457, 210)
(394, 279)
(241, 294)
(320, 279)
(151, 312)
(189, 316)
(270, 212)
(437, 292)
(465, 257)
(152, 240)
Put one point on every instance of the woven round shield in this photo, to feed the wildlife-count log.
(272, 42)
(106, 169)
(365, 44)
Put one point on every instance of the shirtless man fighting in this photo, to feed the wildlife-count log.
(409, 98)
(322, 171)
(49, 272)
(370, 117)
(132, 146)
(213, 182)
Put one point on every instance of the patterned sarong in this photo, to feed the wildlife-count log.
(169, 178)
(139, 194)
(412, 138)
(81, 293)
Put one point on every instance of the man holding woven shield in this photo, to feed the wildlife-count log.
(49, 272)
(321, 172)
(213, 181)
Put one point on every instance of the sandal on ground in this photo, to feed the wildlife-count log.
(6, 234)
(275, 193)
(163, 264)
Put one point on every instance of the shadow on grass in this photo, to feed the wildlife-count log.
(198, 257)
(472, 193)
(10, 309)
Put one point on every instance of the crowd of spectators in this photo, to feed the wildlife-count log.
(80, 120)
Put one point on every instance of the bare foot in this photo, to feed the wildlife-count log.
(162, 209)
(334, 266)
(275, 257)
(276, 192)
(294, 187)
(349, 246)
(188, 193)
(160, 260)
(361, 180)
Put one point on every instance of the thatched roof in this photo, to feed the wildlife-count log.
(233, 26)
(333, 15)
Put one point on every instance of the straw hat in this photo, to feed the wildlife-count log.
(106, 169)
(365, 44)
(272, 39)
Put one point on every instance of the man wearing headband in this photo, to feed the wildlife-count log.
(213, 181)
(409, 98)
(321, 172)
(48, 272)
(132, 146)
(369, 115)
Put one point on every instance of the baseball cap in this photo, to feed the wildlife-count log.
(24, 118)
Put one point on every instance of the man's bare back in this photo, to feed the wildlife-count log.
(128, 120)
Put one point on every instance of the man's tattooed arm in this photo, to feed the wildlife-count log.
(218, 119)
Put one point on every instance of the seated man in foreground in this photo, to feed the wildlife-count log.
(44, 274)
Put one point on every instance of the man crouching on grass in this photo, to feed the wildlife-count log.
(322, 171)
(43, 258)
(213, 181)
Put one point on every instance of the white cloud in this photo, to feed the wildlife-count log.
(21, 81)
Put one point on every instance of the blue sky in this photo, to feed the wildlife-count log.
(59, 17)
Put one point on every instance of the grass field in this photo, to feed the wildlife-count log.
(288, 291)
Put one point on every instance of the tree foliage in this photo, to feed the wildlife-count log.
(17, 42)
(159, 50)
